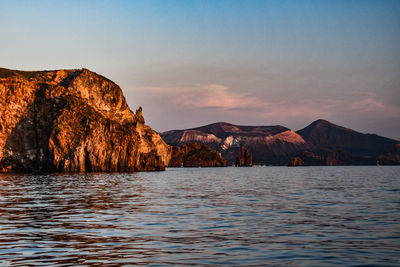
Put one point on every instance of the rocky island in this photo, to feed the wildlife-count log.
(74, 121)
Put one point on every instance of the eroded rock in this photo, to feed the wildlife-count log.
(244, 158)
(72, 121)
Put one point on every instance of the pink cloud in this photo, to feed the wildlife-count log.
(225, 99)
(374, 106)
(240, 105)
(216, 96)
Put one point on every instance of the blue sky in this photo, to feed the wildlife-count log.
(189, 63)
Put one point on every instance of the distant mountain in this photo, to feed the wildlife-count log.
(267, 144)
(323, 135)
(320, 143)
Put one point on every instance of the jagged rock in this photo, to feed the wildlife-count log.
(296, 161)
(196, 155)
(139, 115)
(72, 120)
(244, 158)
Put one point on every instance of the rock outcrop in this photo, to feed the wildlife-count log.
(295, 162)
(72, 121)
(196, 155)
(244, 158)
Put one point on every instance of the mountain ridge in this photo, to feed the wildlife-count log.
(278, 144)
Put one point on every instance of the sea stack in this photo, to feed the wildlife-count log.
(244, 158)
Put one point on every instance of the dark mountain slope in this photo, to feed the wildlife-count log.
(323, 135)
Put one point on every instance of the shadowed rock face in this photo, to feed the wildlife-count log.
(336, 145)
(72, 120)
(392, 157)
(323, 135)
(196, 155)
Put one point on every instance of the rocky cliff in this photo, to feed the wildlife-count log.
(72, 120)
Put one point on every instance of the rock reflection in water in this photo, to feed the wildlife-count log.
(232, 216)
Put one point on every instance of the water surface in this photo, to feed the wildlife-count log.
(307, 216)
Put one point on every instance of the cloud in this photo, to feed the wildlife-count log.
(226, 100)
(217, 96)
(374, 106)
(186, 107)
(221, 98)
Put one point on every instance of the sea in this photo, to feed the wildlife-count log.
(259, 216)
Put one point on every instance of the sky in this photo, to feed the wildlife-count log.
(191, 63)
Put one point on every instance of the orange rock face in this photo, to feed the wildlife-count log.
(72, 121)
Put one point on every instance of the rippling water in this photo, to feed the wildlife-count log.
(203, 216)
